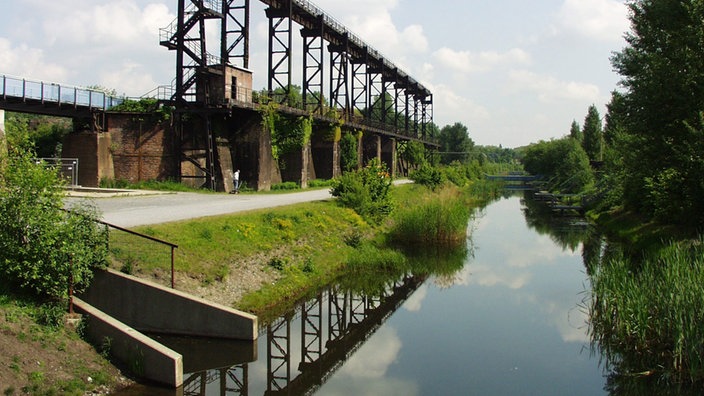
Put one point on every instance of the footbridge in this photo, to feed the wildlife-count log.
(219, 123)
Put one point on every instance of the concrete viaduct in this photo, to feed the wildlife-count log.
(217, 123)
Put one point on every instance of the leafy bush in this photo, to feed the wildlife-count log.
(319, 183)
(43, 247)
(366, 191)
(428, 176)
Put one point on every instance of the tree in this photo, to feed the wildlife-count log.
(42, 247)
(455, 143)
(663, 81)
(562, 161)
(592, 134)
(576, 132)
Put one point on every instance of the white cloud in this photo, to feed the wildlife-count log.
(605, 20)
(415, 301)
(375, 357)
(24, 61)
(116, 23)
(469, 62)
(550, 89)
(446, 101)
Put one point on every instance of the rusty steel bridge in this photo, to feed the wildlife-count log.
(345, 81)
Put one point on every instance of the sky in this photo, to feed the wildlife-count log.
(513, 71)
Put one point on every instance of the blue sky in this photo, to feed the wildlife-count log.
(512, 71)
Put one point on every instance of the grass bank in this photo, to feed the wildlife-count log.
(647, 301)
(42, 357)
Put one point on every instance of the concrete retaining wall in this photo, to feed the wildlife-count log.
(142, 355)
(153, 308)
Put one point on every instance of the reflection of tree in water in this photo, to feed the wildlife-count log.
(568, 232)
(443, 263)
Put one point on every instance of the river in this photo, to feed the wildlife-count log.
(512, 320)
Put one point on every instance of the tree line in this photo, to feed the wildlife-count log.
(648, 157)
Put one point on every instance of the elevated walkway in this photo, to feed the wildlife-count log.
(46, 98)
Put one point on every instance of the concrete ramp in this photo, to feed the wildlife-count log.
(153, 308)
(142, 355)
(119, 307)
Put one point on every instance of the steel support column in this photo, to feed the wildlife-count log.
(313, 63)
(280, 43)
(279, 355)
(312, 331)
(375, 86)
(427, 114)
(337, 315)
(360, 91)
(235, 32)
(339, 99)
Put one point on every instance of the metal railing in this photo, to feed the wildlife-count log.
(129, 246)
(45, 92)
(67, 168)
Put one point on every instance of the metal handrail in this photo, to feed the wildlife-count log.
(46, 92)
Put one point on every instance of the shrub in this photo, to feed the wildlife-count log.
(285, 186)
(366, 191)
(428, 176)
(43, 247)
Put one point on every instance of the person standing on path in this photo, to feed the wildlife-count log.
(236, 181)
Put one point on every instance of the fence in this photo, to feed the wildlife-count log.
(67, 168)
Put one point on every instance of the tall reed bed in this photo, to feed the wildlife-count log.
(649, 318)
(437, 220)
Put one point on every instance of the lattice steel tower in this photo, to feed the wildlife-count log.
(201, 84)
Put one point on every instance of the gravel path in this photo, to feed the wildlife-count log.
(126, 210)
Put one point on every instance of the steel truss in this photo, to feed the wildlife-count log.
(313, 64)
(280, 43)
(234, 40)
(197, 70)
(279, 355)
(339, 77)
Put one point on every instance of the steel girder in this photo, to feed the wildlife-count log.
(279, 355)
(360, 91)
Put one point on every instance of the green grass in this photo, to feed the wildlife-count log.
(307, 245)
(647, 317)
(26, 320)
(438, 219)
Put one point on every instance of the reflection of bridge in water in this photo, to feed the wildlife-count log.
(333, 326)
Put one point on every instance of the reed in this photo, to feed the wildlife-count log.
(647, 318)
(437, 220)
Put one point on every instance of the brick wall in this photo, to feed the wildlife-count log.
(141, 148)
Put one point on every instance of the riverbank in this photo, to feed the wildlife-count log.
(261, 260)
(264, 260)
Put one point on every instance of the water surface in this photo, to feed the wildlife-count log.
(509, 322)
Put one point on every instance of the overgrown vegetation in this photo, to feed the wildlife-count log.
(42, 247)
(434, 220)
(647, 163)
(43, 250)
(366, 191)
(647, 318)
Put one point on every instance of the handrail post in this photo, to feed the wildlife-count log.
(172, 267)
